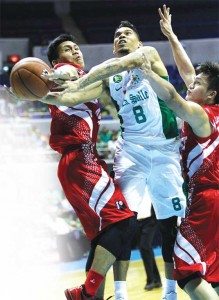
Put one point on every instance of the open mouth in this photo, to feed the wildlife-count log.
(121, 42)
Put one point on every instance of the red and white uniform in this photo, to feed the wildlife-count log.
(97, 201)
(197, 243)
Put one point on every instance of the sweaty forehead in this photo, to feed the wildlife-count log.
(68, 44)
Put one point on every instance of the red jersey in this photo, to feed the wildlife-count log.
(74, 125)
(96, 199)
(196, 248)
(200, 156)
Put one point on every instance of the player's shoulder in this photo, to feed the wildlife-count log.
(148, 50)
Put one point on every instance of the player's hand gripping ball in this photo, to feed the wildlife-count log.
(26, 80)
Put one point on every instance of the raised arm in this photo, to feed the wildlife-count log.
(183, 62)
(188, 111)
(107, 69)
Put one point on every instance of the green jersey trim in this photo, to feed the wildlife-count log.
(169, 122)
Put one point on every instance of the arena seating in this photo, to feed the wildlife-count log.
(39, 22)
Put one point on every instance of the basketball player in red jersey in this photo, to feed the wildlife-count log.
(196, 251)
(97, 200)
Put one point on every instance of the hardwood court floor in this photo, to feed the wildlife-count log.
(55, 284)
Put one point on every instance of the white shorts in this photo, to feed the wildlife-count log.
(156, 168)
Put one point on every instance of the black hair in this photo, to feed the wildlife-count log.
(52, 49)
(129, 25)
(211, 70)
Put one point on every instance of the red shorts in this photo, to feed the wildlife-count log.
(96, 199)
(197, 244)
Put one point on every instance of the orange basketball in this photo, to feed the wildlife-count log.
(26, 80)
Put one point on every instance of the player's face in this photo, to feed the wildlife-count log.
(198, 90)
(70, 52)
(125, 41)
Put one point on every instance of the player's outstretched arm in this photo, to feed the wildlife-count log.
(67, 98)
(183, 62)
(64, 76)
(188, 111)
(105, 70)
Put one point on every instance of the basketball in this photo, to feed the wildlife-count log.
(26, 80)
